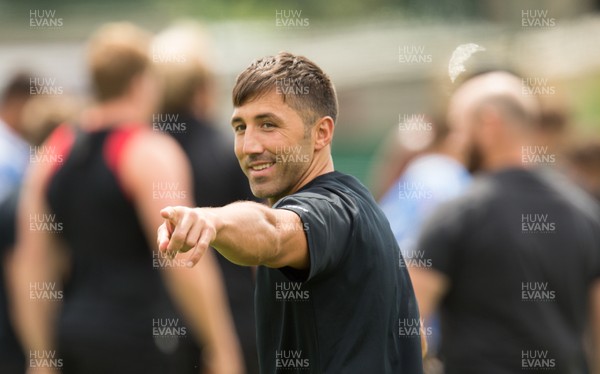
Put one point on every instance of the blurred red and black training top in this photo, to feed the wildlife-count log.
(113, 295)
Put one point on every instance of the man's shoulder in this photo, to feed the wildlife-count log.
(469, 207)
(332, 187)
(477, 195)
(571, 194)
(335, 182)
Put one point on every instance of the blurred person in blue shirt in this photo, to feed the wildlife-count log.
(433, 176)
(14, 149)
(14, 159)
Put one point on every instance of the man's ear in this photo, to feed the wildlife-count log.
(323, 132)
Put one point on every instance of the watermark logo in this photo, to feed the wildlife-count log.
(291, 154)
(537, 155)
(414, 191)
(160, 261)
(168, 123)
(290, 18)
(44, 154)
(537, 291)
(537, 86)
(291, 226)
(44, 291)
(168, 328)
(413, 54)
(44, 18)
(414, 122)
(167, 190)
(414, 259)
(537, 360)
(291, 360)
(164, 54)
(45, 222)
(44, 359)
(291, 86)
(536, 18)
(44, 86)
(291, 291)
(415, 130)
(534, 223)
(413, 327)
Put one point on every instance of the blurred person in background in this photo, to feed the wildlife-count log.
(515, 261)
(14, 159)
(434, 175)
(90, 295)
(14, 149)
(41, 114)
(186, 113)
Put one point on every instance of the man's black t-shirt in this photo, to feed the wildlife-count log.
(520, 251)
(343, 314)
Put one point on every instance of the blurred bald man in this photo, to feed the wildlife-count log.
(515, 262)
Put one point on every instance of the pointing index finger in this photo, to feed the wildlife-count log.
(169, 213)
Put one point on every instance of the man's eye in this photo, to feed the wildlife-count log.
(239, 128)
(267, 125)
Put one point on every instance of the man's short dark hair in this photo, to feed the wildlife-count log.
(303, 85)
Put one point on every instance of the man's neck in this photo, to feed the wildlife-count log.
(511, 158)
(113, 113)
(314, 171)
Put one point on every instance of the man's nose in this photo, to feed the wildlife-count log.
(252, 144)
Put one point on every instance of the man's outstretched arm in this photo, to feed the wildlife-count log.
(246, 233)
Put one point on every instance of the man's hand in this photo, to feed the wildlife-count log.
(245, 233)
(186, 229)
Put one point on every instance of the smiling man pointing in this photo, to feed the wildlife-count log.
(331, 295)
